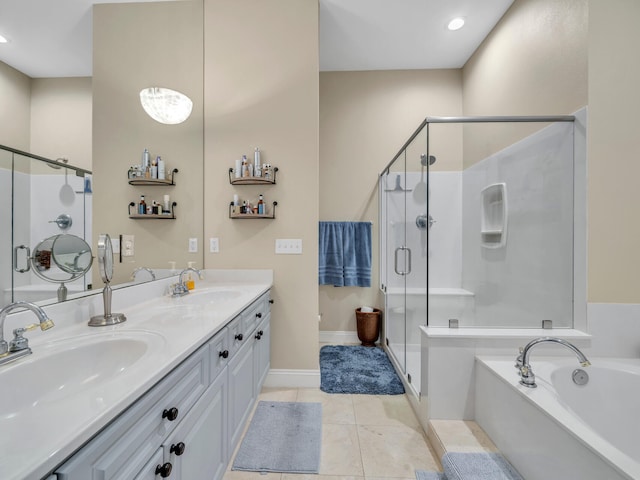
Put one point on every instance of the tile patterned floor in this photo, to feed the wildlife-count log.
(363, 437)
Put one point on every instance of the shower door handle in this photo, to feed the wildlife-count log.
(407, 260)
(15, 258)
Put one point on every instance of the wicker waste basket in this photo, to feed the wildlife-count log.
(368, 324)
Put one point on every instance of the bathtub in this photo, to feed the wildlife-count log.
(560, 430)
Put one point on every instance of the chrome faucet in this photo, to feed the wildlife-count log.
(133, 275)
(527, 378)
(180, 288)
(19, 346)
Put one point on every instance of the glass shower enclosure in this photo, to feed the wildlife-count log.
(476, 230)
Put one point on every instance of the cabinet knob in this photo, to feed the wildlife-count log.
(271, 301)
(239, 337)
(177, 448)
(258, 336)
(224, 354)
(164, 470)
(260, 332)
(170, 414)
(258, 315)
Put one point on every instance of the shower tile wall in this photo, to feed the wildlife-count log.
(531, 277)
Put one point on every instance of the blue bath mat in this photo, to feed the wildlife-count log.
(478, 466)
(357, 369)
(282, 437)
(424, 475)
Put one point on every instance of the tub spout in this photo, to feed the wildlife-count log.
(527, 378)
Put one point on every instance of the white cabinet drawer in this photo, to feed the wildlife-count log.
(255, 313)
(127, 444)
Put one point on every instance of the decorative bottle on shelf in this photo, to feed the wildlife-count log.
(261, 205)
(245, 167)
(142, 206)
(257, 167)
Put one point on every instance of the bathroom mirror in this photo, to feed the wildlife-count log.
(104, 203)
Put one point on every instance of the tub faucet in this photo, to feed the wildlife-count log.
(180, 288)
(19, 346)
(527, 378)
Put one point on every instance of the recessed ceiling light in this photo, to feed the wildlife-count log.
(456, 24)
(3, 39)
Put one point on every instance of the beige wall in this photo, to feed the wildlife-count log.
(137, 46)
(15, 112)
(614, 152)
(261, 89)
(365, 118)
(61, 119)
(534, 62)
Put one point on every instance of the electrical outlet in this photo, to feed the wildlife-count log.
(193, 245)
(289, 246)
(128, 245)
(214, 245)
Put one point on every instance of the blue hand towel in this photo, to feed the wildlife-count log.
(330, 271)
(356, 238)
(345, 254)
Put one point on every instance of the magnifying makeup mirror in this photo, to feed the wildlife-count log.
(105, 263)
(60, 259)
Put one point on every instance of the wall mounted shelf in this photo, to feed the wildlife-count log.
(252, 180)
(247, 216)
(154, 181)
(151, 216)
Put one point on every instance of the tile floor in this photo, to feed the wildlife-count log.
(363, 437)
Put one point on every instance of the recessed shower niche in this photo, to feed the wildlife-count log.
(493, 226)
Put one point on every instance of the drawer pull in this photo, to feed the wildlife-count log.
(224, 354)
(164, 470)
(178, 448)
(239, 337)
(170, 414)
(258, 315)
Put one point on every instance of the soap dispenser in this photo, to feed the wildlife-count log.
(191, 284)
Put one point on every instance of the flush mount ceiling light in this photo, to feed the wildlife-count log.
(165, 105)
(456, 24)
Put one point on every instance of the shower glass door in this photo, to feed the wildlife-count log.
(396, 258)
(404, 253)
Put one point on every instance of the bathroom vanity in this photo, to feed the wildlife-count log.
(165, 394)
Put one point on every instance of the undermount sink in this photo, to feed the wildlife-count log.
(59, 370)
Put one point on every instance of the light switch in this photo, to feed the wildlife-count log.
(193, 245)
(214, 245)
(128, 245)
(289, 246)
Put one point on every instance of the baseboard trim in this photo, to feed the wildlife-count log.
(279, 378)
(339, 337)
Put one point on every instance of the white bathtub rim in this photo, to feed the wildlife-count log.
(502, 367)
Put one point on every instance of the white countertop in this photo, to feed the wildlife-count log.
(39, 437)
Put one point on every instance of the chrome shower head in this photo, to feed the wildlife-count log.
(423, 159)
